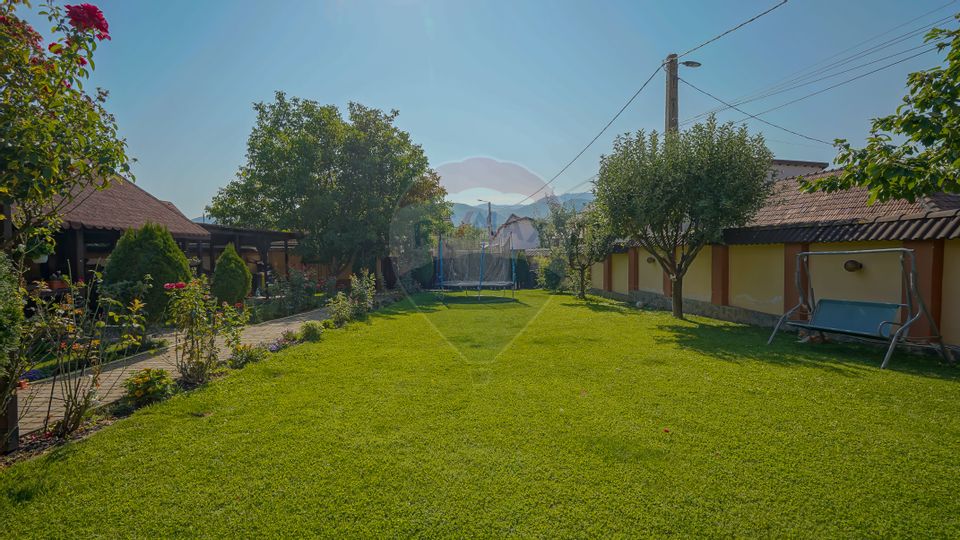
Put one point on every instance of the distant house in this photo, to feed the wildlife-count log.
(789, 168)
(517, 232)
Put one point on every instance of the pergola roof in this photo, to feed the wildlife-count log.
(124, 205)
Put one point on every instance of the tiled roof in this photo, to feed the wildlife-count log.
(794, 216)
(123, 206)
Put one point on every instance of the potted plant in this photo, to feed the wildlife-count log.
(56, 281)
(39, 249)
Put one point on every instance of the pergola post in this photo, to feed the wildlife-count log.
(286, 258)
(213, 259)
(79, 254)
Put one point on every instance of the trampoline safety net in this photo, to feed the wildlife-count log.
(471, 264)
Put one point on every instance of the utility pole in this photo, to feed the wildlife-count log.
(672, 120)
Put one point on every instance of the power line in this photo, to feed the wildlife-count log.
(734, 29)
(802, 77)
(637, 93)
(850, 80)
(754, 116)
(602, 131)
(784, 90)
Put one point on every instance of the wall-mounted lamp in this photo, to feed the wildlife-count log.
(651, 260)
(852, 265)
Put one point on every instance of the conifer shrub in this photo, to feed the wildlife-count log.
(148, 251)
(231, 277)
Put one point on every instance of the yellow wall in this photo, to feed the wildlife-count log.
(596, 276)
(620, 273)
(697, 281)
(756, 277)
(950, 308)
(878, 281)
(649, 274)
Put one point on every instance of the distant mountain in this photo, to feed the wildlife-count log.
(477, 215)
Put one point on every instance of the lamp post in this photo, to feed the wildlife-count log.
(672, 109)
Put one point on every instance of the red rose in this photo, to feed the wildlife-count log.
(179, 285)
(89, 17)
(168, 286)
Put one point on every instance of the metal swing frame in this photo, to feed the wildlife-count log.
(914, 304)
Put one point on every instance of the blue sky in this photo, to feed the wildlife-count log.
(518, 81)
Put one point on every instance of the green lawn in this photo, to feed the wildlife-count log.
(545, 417)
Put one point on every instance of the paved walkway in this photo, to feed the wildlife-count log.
(34, 401)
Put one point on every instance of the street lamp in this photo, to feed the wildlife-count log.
(672, 116)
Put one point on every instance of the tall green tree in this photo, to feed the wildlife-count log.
(55, 138)
(927, 124)
(338, 181)
(676, 193)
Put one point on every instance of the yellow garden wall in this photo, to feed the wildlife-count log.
(596, 276)
(950, 314)
(697, 281)
(878, 281)
(649, 274)
(756, 277)
(620, 272)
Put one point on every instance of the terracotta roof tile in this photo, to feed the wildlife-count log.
(794, 216)
(790, 206)
(123, 206)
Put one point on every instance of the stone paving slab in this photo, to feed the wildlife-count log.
(48, 393)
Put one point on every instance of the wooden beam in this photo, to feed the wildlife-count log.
(286, 258)
(720, 275)
(791, 296)
(78, 269)
(633, 276)
(929, 255)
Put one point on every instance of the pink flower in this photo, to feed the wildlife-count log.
(81, 60)
(89, 17)
(179, 285)
(169, 286)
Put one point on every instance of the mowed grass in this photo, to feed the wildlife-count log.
(544, 417)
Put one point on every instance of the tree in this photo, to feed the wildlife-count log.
(231, 277)
(56, 139)
(589, 241)
(928, 123)
(150, 250)
(339, 182)
(674, 194)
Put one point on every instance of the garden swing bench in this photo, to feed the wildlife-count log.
(869, 320)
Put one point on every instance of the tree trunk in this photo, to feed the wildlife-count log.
(378, 270)
(582, 290)
(678, 297)
(9, 429)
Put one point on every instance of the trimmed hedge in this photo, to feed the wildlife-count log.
(11, 310)
(231, 277)
(151, 251)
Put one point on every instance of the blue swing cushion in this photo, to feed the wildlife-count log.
(868, 319)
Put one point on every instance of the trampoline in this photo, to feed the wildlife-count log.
(468, 264)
